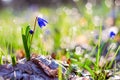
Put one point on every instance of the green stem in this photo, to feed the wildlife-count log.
(33, 31)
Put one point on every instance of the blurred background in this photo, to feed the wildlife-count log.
(71, 23)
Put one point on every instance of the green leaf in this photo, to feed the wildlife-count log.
(90, 70)
(27, 31)
(1, 54)
(13, 59)
(88, 62)
(25, 41)
(26, 47)
(28, 36)
(1, 62)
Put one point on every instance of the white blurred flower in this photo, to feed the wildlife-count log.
(88, 5)
(112, 46)
(96, 20)
(108, 3)
(78, 50)
(89, 8)
(87, 56)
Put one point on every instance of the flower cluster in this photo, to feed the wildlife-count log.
(41, 22)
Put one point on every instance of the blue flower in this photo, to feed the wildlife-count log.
(31, 31)
(41, 22)
(112, 34)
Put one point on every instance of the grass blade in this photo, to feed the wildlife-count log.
(114, 57)
(99, 50)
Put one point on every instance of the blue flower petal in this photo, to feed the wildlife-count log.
(112, 34)
(44, 20)
(41, 22)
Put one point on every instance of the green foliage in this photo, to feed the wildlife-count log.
(99, 50)
(110, 64)
(13, 57)
(1, 54)
(60, 73)
(98, 73)
(26, 41)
